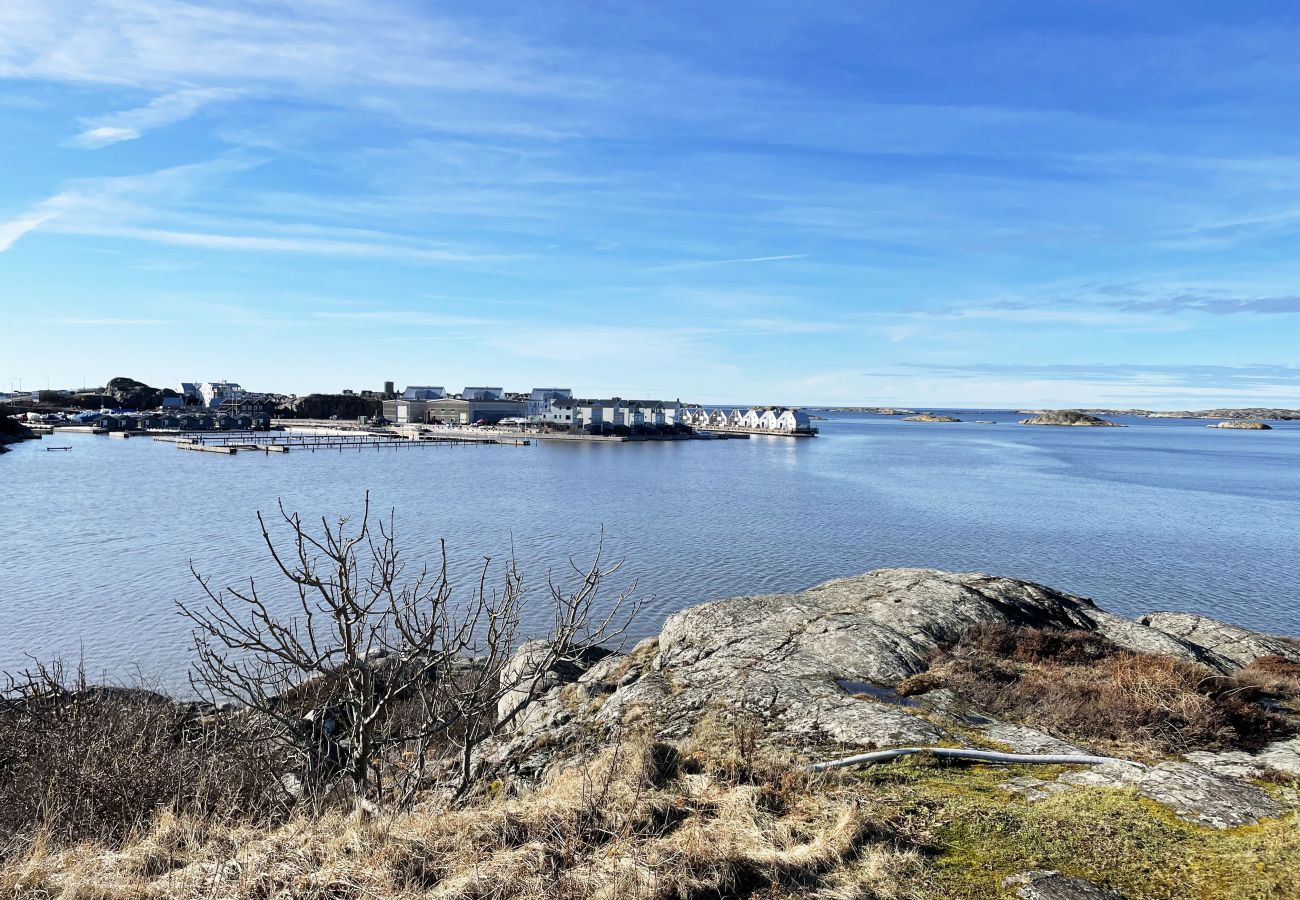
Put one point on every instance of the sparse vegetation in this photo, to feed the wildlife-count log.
(116, 794)
(720, 815)
(86, 763)
(1077, 685)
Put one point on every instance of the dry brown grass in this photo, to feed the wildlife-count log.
(642, 820)
(1274, 676)
(82, 763)
(1079, 686)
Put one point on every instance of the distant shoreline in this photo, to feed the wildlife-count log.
(1225, 413)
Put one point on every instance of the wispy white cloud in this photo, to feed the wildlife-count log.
(407, 317)
(107, 322)
(708, 263)
(159, 112)
(173, 44)
(151, 208)
(272, 244)
(33, 218)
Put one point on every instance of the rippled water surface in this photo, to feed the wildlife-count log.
(1166, 514)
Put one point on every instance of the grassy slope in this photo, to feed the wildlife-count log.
(719, 819)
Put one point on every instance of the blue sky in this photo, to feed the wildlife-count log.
(965, 203)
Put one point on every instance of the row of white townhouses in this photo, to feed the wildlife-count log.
(596, 415)
(775, 419)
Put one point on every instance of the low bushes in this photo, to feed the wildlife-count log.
(1077, 685)
(84, 763)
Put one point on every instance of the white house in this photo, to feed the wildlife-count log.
(560, 412)
(793, 420)
(541, 398)
(652, 413)
(211, 393)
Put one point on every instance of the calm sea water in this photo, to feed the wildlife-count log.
(1166, 514)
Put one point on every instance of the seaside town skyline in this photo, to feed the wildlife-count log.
(1031, 205)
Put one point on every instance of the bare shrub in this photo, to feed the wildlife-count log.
(1031, 645)
(82, 762)
(401, 675)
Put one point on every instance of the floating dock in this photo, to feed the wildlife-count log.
(722, 431)
(208, 448)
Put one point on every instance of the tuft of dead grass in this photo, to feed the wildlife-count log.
(1273, 676)
(640, 820)
(1079, 686)
(720, 816)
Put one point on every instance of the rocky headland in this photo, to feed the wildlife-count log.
(1047, 749)
(919, 658)
(1069, 417)
(12, 431)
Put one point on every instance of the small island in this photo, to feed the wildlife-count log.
(871, 410)
(1069, 417)
(1243, 426)
(929, 417)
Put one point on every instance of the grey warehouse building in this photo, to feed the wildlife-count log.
(452, 412)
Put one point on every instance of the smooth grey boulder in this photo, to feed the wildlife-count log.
(1280, 756)
(882, 626)
(1192, 792)
(815, 668)
(1232, 645)
(779, 657)
(531, 673)
(1050, 885)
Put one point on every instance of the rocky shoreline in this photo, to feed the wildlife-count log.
(1149, 757)
(12, 432)
(822, 669)
(1253, 412)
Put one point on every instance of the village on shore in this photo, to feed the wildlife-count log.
(127, 406)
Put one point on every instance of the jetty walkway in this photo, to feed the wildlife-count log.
(312, 441)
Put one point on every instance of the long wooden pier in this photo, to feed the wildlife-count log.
(284, 442)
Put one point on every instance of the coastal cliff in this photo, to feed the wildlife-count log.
(683, 767)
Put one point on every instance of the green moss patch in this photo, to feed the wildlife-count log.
(975, 834)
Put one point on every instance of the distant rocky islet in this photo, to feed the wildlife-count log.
(1241, 425)
(1069, 417)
